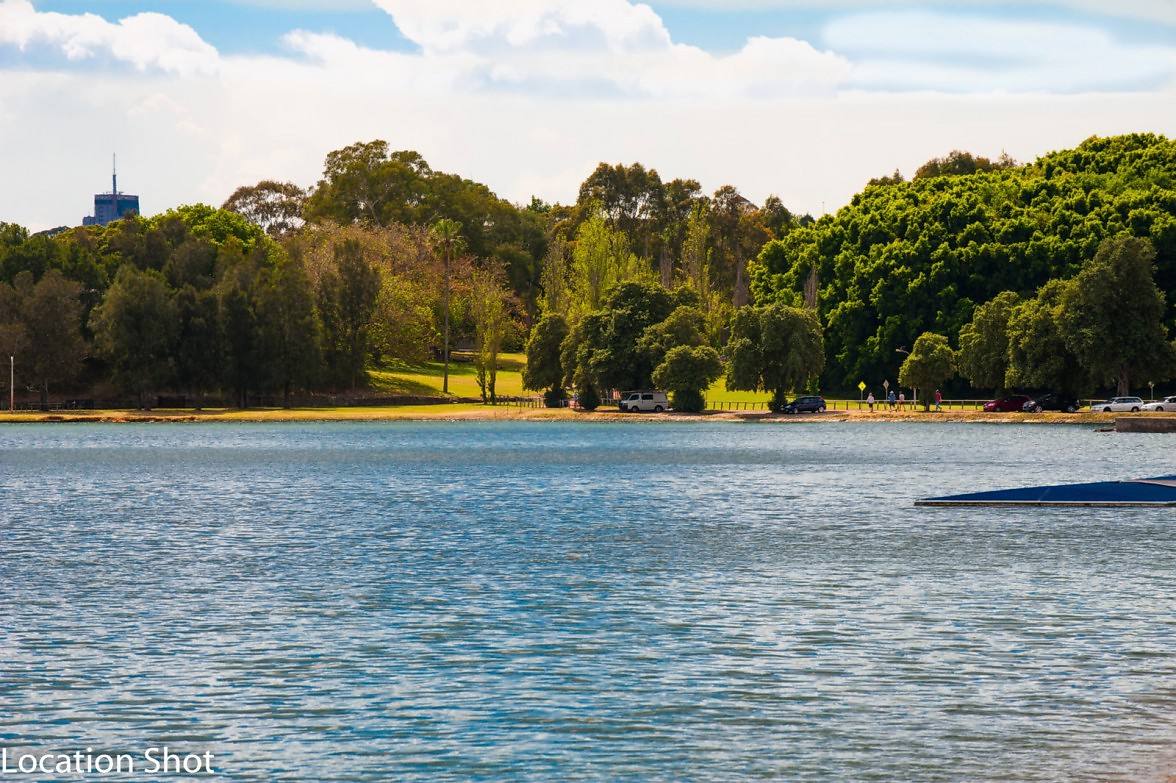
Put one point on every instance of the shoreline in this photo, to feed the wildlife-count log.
(473, 412)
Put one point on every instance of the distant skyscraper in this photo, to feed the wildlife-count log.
(109, 207)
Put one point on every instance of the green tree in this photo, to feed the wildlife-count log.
(600, 261)
(198, 348)
(135, 329)
(774, 348)
(1114, 315)
(347, 301)
(274, 206)
(544, 370)
(929, 364)
(446, 236)
(688, 371)
(684, 326)
(984, 343)
(1039, 351)
(491, 324)
(289, 328)
(51, 312)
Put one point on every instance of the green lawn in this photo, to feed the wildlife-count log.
(425, 380)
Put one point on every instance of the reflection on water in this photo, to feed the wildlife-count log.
(372, 602)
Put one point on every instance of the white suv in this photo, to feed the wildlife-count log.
(644, 401)
(1119, 405)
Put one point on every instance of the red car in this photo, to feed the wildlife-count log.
(1013, 404)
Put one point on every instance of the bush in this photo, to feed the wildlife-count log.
(688, 401)
(589, 398)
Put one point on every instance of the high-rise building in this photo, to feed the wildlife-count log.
(109, 207)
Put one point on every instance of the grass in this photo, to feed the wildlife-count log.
(426, 380)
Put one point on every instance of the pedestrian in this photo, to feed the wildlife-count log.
(870, 401)
(901, 401)
(891, 399)
(938, 401)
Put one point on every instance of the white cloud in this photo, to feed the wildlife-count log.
(144, 41)
(497, 96)
(1151, 10)
(922, 50)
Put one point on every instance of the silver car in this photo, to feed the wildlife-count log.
(1166, 404)
(1119, 405)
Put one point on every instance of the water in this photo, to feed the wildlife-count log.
(483, 601)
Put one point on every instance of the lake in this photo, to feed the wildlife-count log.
(566, 601)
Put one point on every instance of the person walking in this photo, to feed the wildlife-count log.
(901, 401)
(891, 399)
(938, 401)
(870, 401)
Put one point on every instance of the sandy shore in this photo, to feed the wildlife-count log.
(466, 412)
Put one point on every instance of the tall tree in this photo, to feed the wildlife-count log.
(1114, 314)
(135, 328)
(198, 347)
(984, 343)
(275, 206)
(447, 239)
(774, 348)
(347, 302)
(51, 312)
(289, 328)
(1039, 351)
(929, 364)
(687, 372)
(544, 369)
(491, 325)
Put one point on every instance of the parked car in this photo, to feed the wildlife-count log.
(1012, 404)
(1051, 402)
(1119, 405)
(644, 401)
(1164, 405)
(805, 405)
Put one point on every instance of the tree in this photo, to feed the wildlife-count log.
(683, 327)
(289, 327)
(688, 371)
(774, 348)
(600, 261)
(347, 301)
(135, 329)
(51, 313)
(1113, 314)
(544, 370)
(491, 323)
(404, 322)
(447, 238)
(198, 348)
(984, 343)
(555, 278)
(1039, 353)
(275, 206)
(929, 364)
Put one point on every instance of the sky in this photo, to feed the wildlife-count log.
(805, 99)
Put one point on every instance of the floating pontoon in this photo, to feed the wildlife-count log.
(1141, 492)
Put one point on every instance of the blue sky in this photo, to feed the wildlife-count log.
(806, 99)
(253, 26)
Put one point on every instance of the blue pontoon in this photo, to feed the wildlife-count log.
(1141, 492)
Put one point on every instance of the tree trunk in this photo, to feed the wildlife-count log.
(45, 395)
(445, 305)
(1124, 383)
(286, 395)
(741, 293)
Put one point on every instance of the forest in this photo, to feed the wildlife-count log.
(1060, 273)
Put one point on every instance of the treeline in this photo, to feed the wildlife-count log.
(969, 242)
(202, 302)
(283, 291)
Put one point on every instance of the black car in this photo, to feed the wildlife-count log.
(1051, 402)
(805, 405)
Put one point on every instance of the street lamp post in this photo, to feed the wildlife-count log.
(914, 389)
(1152, 391)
